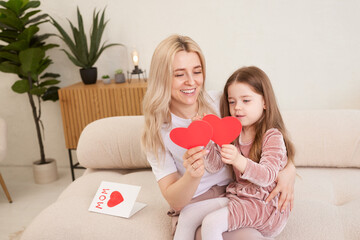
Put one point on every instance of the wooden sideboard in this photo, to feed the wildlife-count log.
(82, 104)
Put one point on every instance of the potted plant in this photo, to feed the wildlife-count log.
(80, 54)
(119, 76)
(106, 79)
(23, 52)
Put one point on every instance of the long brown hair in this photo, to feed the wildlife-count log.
(271, 118)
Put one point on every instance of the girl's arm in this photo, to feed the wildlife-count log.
(285, 186)
(273, 158)
(179, 190)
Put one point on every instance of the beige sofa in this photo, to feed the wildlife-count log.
(327, 191)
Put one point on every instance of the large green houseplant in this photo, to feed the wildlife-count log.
(23, 52)
(80, 54)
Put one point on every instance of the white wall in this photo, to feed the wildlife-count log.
(310, 49)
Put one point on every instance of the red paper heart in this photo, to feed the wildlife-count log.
(198, 133)
(225, 130)
(115, 199)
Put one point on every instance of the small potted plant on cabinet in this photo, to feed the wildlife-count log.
(106, 79)
(119, 76)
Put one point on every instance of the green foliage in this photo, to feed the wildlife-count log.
(119, 71)
(25, 50)
(105, 76)
(80, 54)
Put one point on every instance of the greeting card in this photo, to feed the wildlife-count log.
(116, 199)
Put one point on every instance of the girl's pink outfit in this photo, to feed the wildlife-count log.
(244, 205)
(247, 194)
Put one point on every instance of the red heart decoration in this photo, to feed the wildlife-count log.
(115, 199)
(225, 130)
(198, 133)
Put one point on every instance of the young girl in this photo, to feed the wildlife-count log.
(261, 151)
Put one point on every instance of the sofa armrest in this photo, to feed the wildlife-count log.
(112, 142)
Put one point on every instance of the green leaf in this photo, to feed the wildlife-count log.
(51, 94)
(10, 56)
(15, 6)
(38, 91)
(50, 75)
(64, 36)
(36, 19)
(9, 67)
(21, 86)
(2, 3)
(17, 46)
(30, 59)
(29, 14)
(10, 19)
(31, 4)
(42, 37)
(103, 47)
(49, 82)
(10, 34)
(43, 65)
(74, 60)
(28, 33)
(49, 46)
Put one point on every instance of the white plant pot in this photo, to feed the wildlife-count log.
(106, 80)
(45, 173)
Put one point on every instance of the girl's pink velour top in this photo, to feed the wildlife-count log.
(248, 192)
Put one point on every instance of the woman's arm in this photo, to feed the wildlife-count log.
(285, 186)
(179, 190)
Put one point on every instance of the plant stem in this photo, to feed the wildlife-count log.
(36, 120)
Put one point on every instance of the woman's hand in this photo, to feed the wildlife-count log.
(285, 186)
(193, 161)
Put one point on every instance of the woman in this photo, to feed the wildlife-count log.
(174, 96)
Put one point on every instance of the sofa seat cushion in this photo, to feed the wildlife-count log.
(327, 205)
(69, 218)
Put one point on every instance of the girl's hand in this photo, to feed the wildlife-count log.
(230, 155)
(285, 186)
(198, 117)
(193, 161)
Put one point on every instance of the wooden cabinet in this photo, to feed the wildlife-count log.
(82, 104)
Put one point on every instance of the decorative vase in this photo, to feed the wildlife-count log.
(45, 173)
(119, 78)
(88, 75)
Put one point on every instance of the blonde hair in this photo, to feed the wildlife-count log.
(156, 102)
(271, 118)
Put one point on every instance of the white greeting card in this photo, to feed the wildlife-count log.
(116, 199)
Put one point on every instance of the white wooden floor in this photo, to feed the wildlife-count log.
(29, 199)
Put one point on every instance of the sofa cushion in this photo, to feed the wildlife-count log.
(112, 143)
(325, 138)
(69, 218)
(327, 206)
(116, 140)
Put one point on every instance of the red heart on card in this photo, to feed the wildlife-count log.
(225, 130)
(198, 133)
(115, 199)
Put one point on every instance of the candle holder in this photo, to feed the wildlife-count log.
(136, 71)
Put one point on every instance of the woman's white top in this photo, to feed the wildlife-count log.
(173, 161)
